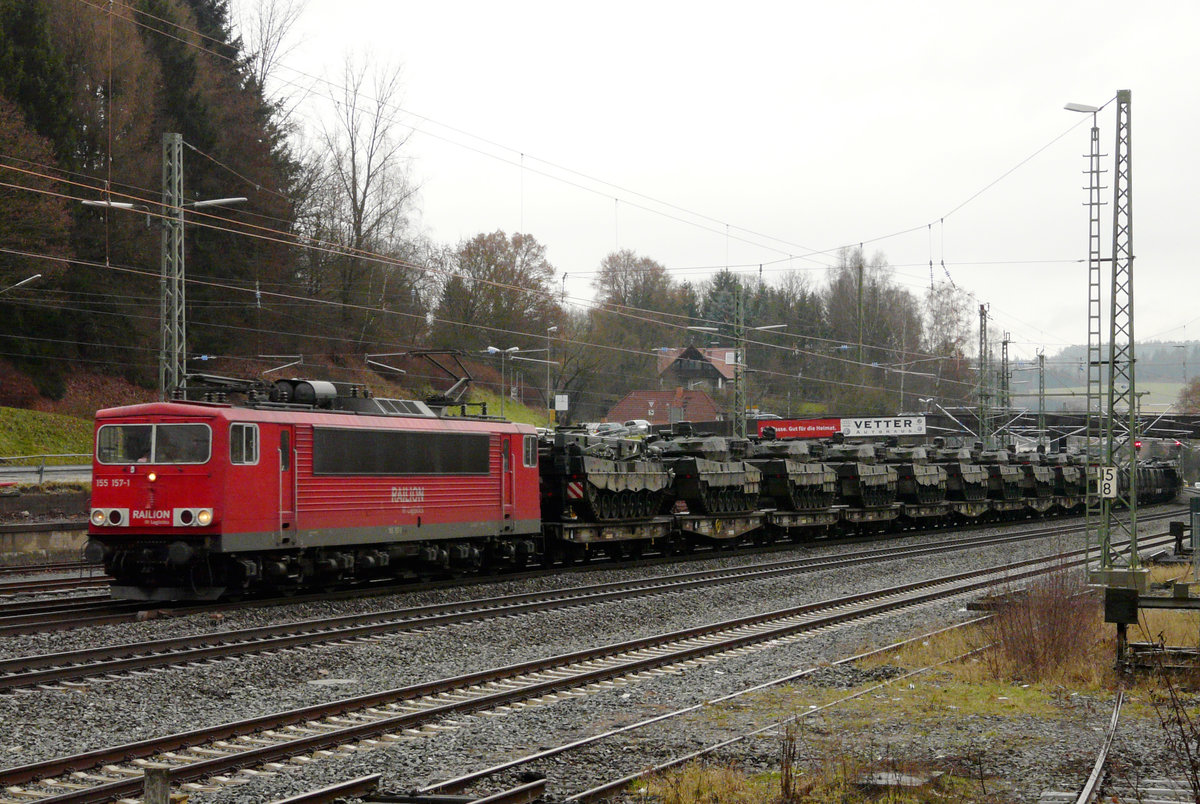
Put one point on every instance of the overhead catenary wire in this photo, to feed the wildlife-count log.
(494, 330)
(213, 222)
(402, 263)
(522, 154)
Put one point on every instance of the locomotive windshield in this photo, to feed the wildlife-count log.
(153, 443)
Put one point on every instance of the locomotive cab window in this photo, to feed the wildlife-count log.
(531, 450)
(153, 443)
(243, 443)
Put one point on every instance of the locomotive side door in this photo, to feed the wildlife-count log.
(507, 489)
(287, 484)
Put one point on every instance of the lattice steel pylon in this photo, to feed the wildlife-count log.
(173, 346)
(1005, 378)
(985, 379)
(1120, 425)
(1095, 413)
(1041, 356)
(739, 363)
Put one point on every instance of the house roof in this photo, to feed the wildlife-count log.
(655, 406)
(721, 358)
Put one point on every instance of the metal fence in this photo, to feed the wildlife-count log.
(43, 464)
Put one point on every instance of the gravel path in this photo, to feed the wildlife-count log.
(175, 700)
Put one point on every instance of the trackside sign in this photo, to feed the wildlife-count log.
(851, 428)
(895, 426)
(800, 428)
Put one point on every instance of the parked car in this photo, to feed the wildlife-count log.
(638, 427)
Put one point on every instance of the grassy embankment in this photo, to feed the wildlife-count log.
(513, 410)
(30, 432)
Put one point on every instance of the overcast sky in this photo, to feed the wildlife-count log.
(803, 127)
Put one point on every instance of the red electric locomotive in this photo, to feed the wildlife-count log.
(304, 487)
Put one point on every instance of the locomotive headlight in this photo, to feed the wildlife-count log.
(204, 516)
(98, 516)
(152, 477)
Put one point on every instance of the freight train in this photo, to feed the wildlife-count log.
(301, 485)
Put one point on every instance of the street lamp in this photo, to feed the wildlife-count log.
(24, 281)
(549, 402)
(504, 353)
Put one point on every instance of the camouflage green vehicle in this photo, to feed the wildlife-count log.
(965, 481)
(861, 481)
(710, 475)
(599, 479)
(918, 482)
(792, 480)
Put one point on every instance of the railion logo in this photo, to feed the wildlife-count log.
(151, 515)
(408, 494)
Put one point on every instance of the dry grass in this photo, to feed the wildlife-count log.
(816, 769)
(1053, 633)
(705, 783)
(1175, 628)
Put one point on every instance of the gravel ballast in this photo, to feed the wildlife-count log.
(126, 710)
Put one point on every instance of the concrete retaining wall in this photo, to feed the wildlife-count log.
(40, 527)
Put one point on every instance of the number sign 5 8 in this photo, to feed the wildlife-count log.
(1108, 482)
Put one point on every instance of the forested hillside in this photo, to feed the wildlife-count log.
(325, 261)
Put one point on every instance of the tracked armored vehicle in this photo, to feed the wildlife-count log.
(791, 479)
(599, 479)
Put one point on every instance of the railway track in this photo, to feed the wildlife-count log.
(605, 790)
(36, 616)
(1091, 788)
(17, 618)
(53, 566)
(109, 661)
(13, 588)
(201, 759)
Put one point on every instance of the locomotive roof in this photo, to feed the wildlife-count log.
(306, 415)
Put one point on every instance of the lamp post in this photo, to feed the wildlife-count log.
(504, 353)
(549, 402)
(24, 281)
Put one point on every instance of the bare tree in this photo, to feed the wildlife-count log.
(265, 27)
(368, 188)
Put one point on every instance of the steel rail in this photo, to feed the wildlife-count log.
(1092, 785)
(14, 610)
(71, 665)
(690, 646)
(604, 791)
(51, 585)
(380, 588)
(52, 566)
(328, 795)
(474, 777)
